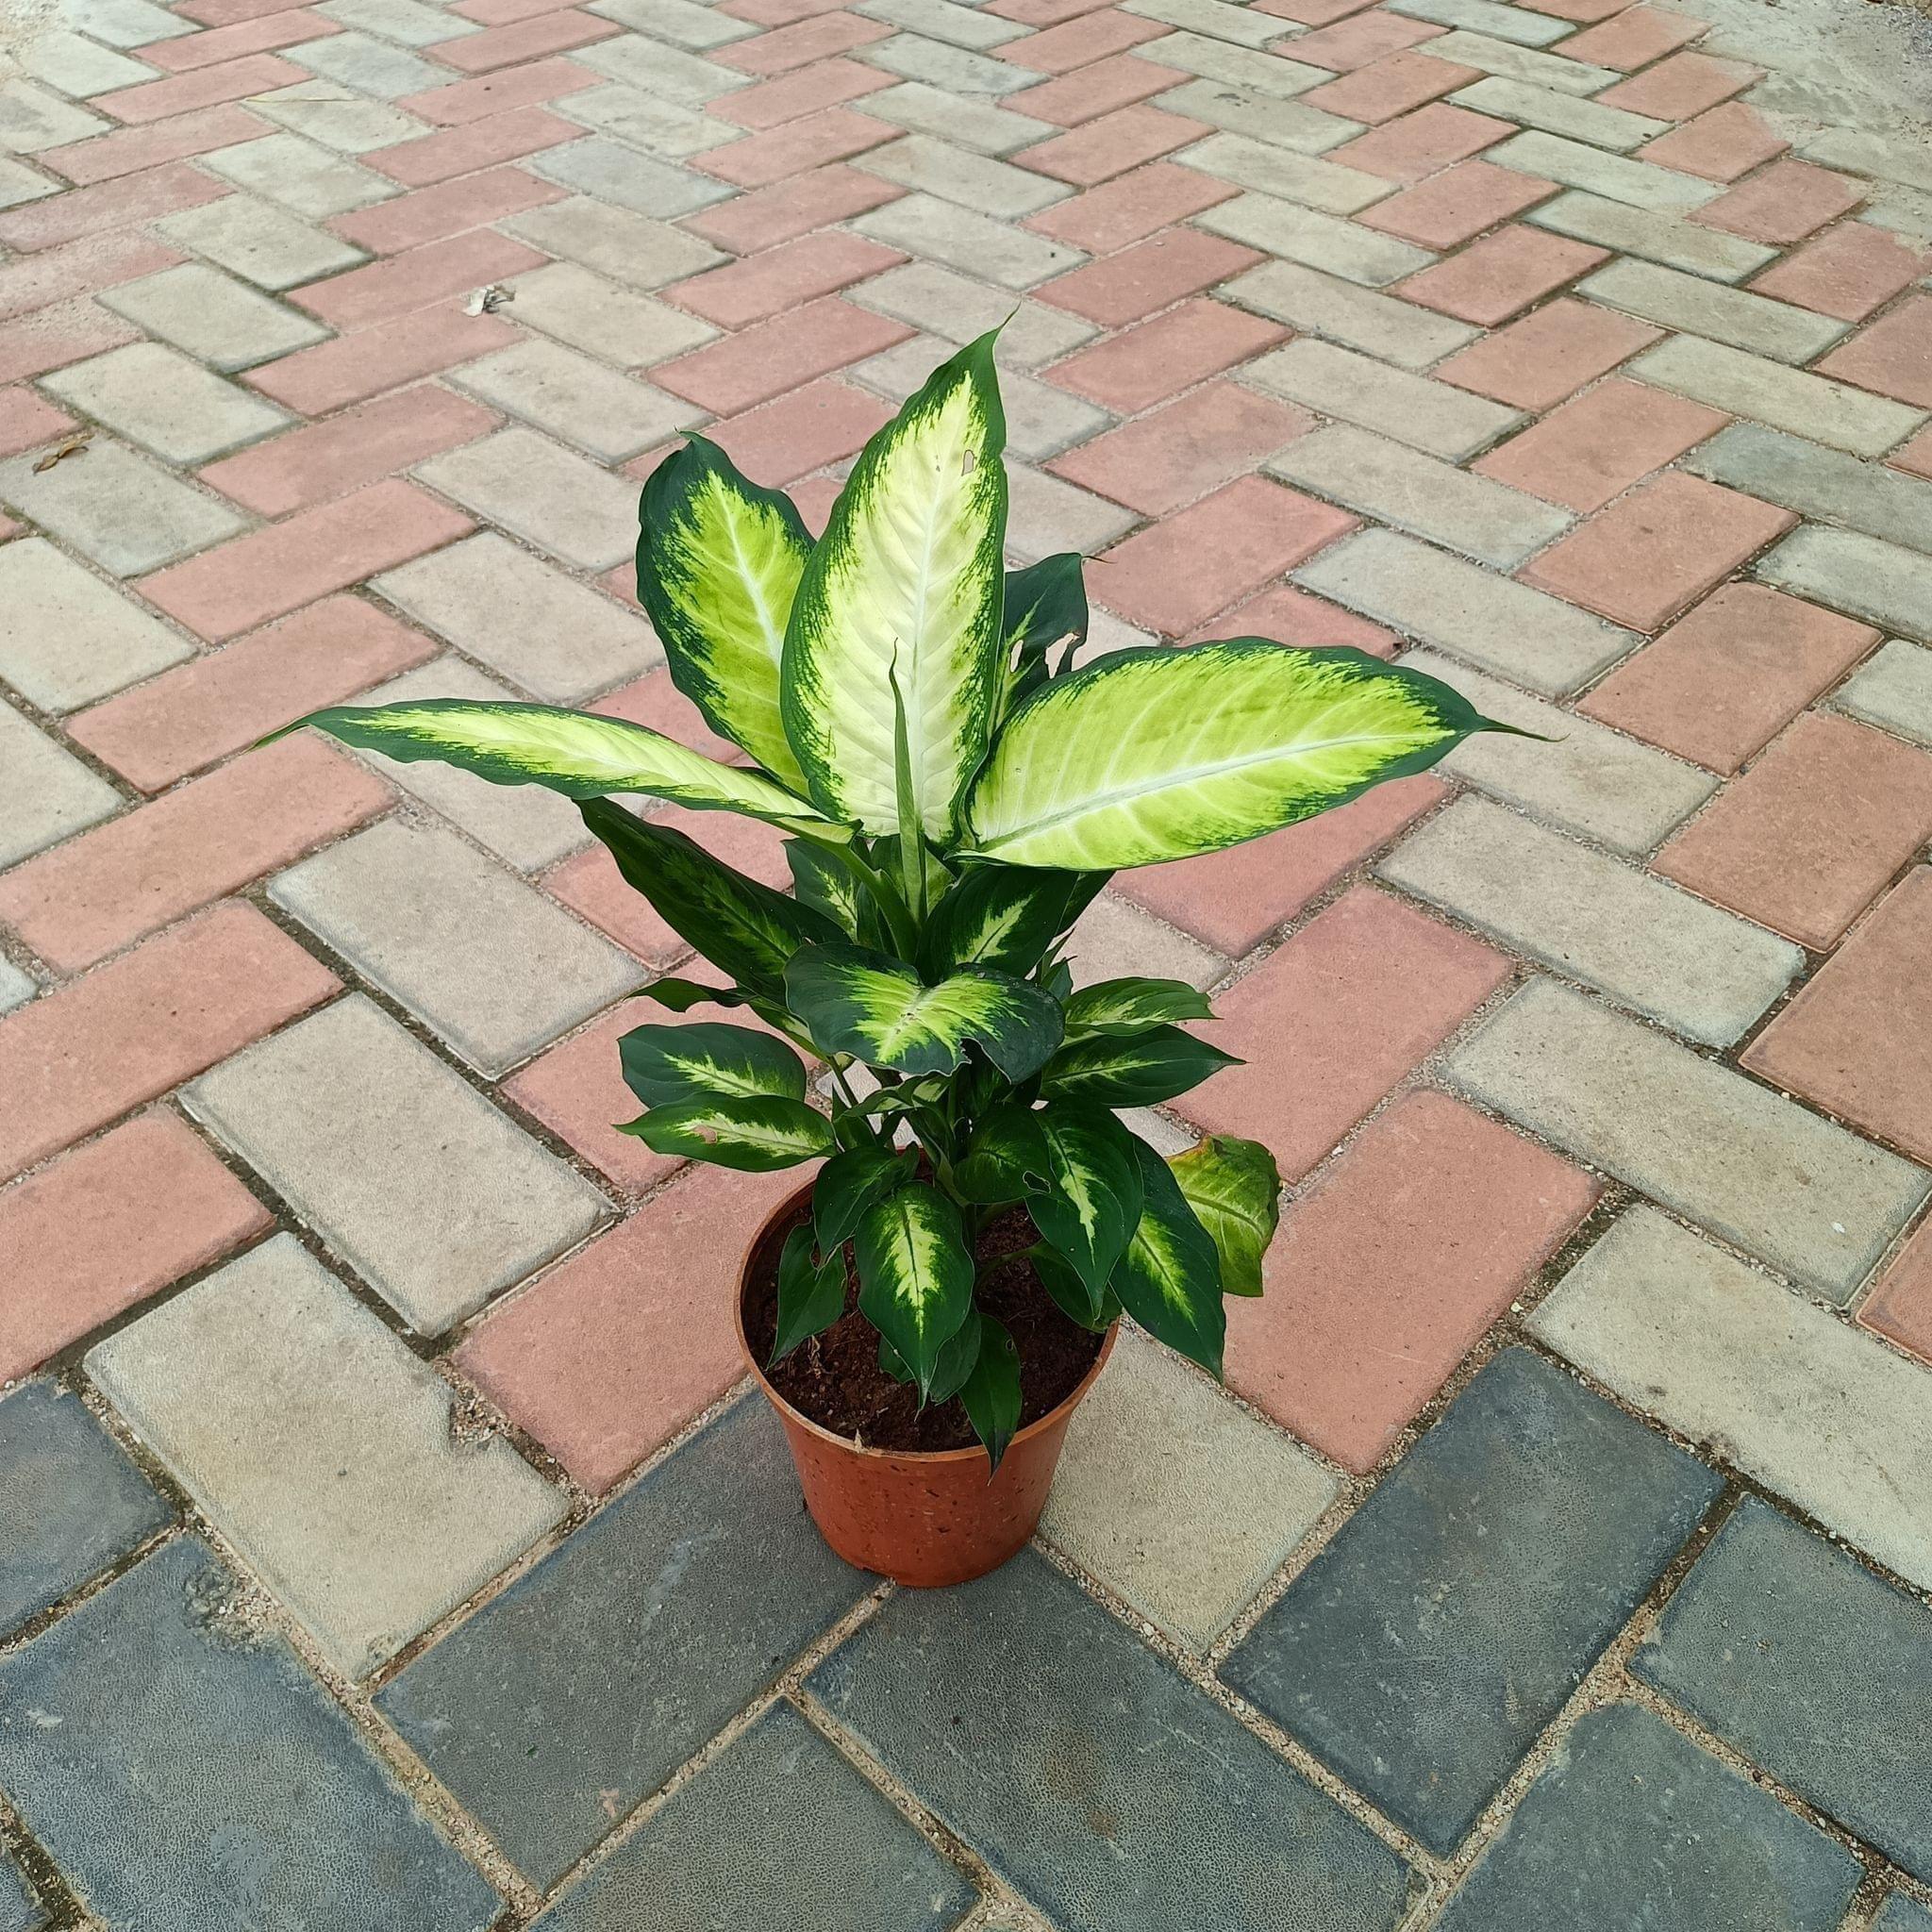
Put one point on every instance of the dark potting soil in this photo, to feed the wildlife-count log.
(835, 1378)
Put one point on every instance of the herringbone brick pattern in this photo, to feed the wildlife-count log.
(384, 1545)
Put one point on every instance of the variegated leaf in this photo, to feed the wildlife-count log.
(1046, 604)
(1128, 1007)
(1091, 1203)
(719, 561)
(1234, 1190)
(575, 753)
(665, 1066)
(1170, 1277)
(1143, 1070)
(878, 1010)
(1004, 916)
(1158, 754)
(915, 1275)
(755, 1134)
(907, 580)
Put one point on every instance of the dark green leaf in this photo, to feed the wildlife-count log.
(1091, 1204)
(890, 1361)
(811, 1293)
(991, 1394)
(915, 1275)
(739, 925)
(1068, 1291)
(681, 995)
(754, 1135)
(1005, 1159)
(849, 1183)
(821, 881)
(1046, 604)
(1001, 916)
(1170, 1277)
(1235, 1191)
(666, 1066)
(1105, 1070)
(877, 1009)
(956, 1359)
(1131, 1005)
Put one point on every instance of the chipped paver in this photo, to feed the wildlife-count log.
(1578, 352)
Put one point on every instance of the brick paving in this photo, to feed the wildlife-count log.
(386, 1538)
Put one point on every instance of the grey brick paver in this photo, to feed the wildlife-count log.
(259, 242)
(1649, 945)
(1817, 1411)
(1219, 19)
(1515, 24)
(405, 904)
(1551, 646)
(609, 171)
(1423, 1649)
(1894, 691)
(324, 111)
(368, 66)
(1092, 1776)
(1587, 778)
(1380, 325)
(1902, 1914)
(1652, 235)
(1415, 409)
(577, 400)
(71, 1503)
(974, 243)
(1793, 469)
(950, 115)
(952, 173)
(1176, 1499)
(1280, 171)
(653, 122)
(1291, 233)
(1855, 573)
(302, 177)
(1700, 307)
(558, 638)
(322, 1449)
(166, 403)
(190, 1776)
(1559, 113)
(629, 247)
(1489, 54)
(556, 499)
(576, 1693)
(946, 75)
(46, 601)
(566, 301)
(428, 1192)
(1721, 1150)
(1632, 1825)
(1264, 117)
(1212, 58)
(46, 793)
(222, 321)
(1812, 1667)
(1578, 164)
(1403, 488)
(18, 1913)
(956, 307)
(833, 1855)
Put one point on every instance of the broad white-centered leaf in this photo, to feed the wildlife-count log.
(755, 1134)
(1141, 1070)
(908, 578)
(665, 1066)
(1004, 916)
(915, 1275)
(1005, 1159)
(1156, 754)
(992, 1395)
(819, 880)
(812, 1293)
(877, 1009)
(719, 561)
(735, 922)
(1234, 1190)
(1091, 1204)
(575, 753)
(1131, 1005)
(1170, 1277)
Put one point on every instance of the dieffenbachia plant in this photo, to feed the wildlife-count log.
(952, 802)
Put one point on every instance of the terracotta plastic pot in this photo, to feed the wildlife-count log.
(922, 1520)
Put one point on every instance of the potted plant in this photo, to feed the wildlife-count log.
(980, 1217)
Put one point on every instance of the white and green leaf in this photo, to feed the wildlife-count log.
(1091, 1203)
(1046, 604)
(915, 1275)
(909, 576)
(1234, 1190)
(878, 1010)
(1128, 1007)
(666, 1066)
(719, 561)
(1158, 754)
(756, 1136)
(1004, 916)
(576, 753)
(849, 1183)
(1138, 1070)
(1169, 1279)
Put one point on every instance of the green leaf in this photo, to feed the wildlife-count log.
(849, 1183)
(1091, 1203)
(1170, 1277)
(739, 925)
(891, 1363)
(1109, 1070)
(1126, 1007)
(719, 561)
(872, 1007)
(681, 995)
(819, 881)
(754, 1135)
(956, 1359)
(575, 753)
(666, 1066)
(1235, 1191)
(811, 1293)
(1046, 603)
(991, 1394)
(915, 1275)
(1002, 916)
(1158, 754)
(1005, 1159)
(909, 571)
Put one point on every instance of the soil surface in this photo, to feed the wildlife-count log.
(835, 1378)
